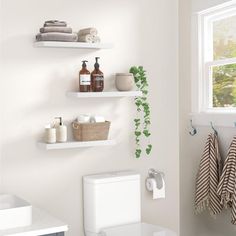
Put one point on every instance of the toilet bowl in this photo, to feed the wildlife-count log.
(138, 229)
(112, 206)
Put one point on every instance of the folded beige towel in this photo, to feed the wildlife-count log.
(63, 37)
(55, 23)
(60, 29)
(86, 31)
(88, 38)
(96, 39)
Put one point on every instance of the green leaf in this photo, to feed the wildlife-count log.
(149, 149)
(146, 133)
(138, 103)
(137, 133)
(138, 153)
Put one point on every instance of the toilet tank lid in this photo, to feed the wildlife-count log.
(111, 177)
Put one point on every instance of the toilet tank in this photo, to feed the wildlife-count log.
(111, 199)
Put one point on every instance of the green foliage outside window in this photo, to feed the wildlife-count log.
(224, 77)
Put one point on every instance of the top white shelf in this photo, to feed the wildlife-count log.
(56, 44)
(110, 94)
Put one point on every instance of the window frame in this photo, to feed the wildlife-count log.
(202, 58)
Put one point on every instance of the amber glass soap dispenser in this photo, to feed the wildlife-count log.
(97, 78)
(84, 79)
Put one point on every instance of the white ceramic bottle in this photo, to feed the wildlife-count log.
(61, 131)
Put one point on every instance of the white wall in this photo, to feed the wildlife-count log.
(33, 85)
(191, 147)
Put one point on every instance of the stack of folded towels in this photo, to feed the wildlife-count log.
(88, 35)
(55, 30)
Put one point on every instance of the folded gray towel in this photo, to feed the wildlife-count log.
(63, 37)
(56, 23)
(60, 29)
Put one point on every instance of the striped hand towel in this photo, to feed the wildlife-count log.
(208, 178)
(227, 185)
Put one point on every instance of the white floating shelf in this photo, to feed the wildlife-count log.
(74, 144)
(104, 94)
(56, 44)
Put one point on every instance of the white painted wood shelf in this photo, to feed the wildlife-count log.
(79, 45)
(110, 94)
(75, 144)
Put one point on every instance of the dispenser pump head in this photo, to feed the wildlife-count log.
(96, 65)
(84, 64)
(60, 120)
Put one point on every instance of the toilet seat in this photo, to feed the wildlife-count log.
(137, 229)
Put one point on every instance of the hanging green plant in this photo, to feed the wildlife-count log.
(142, 126)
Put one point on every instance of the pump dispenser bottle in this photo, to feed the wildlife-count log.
(84, 79)
(61, 131)
(97, 78)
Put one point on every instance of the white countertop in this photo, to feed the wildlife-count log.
(42, 224)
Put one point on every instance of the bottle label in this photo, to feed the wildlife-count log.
(98, 77)
(85, 80)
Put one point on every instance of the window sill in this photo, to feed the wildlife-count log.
(220, 118)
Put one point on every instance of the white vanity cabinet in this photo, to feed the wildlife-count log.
(42, 224)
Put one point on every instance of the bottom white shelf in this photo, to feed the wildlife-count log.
(74, 144)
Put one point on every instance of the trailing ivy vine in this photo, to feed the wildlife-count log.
(142, 126)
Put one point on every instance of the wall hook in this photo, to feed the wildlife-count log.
(194, 130)
(215, 132)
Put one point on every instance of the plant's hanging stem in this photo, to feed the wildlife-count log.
(142, 128)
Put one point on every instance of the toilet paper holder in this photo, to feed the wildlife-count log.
(158, 176)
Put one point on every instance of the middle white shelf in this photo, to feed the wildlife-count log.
(110, 94)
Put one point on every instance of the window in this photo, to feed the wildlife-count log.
(216, 67)
(223, 68)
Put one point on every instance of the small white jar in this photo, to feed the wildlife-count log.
(124, 81)
(50, 135)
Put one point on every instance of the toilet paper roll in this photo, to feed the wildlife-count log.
(157, 191)
(150, 184)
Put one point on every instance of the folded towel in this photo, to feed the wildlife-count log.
(56, 23)
(83, 119)
(86, 31)
(88, 38)
(96, 39)
(208, 178)
(97, 119)
(63, 37)
(60, 29)
(227, 185)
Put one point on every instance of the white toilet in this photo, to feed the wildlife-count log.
(112, 206)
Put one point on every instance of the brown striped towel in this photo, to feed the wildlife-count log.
(227, 185)
(208, 178)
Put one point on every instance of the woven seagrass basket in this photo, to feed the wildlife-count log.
(91, 131)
